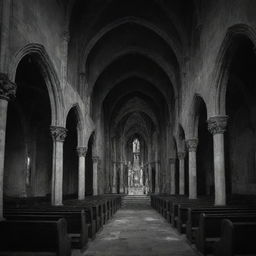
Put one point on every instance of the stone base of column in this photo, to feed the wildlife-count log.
(121, 190)
(220, 201)
(114, 190)
(219, 204)
(81, 197)
(57, 204)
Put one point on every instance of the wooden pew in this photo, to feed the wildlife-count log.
(179, 210)
(209, 230)
(194, 216)
(180, 213)
(76, 225)
(87, 224)
(25, 238)
(98, 209)
(237, 238)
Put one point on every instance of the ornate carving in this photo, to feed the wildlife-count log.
(172, 160)
(217, 124)
(7, 88)
(181, 155)
(66, 36)
(58, 133)
(96, 159)
(81, 151)
(192, 144)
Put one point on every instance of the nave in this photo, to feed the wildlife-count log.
(138, 230)
(104, 99)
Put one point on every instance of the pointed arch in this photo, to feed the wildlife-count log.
(49, 74)
(223, 61)
(80, 123)
(196, 106)
(139, 21)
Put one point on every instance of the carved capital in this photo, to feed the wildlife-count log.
(58, 133)
(172, 160)
(217, 124)
(7, 88)
(192, 144)
(66, 36)
(95, 159)
(181, 155)
(81, 151)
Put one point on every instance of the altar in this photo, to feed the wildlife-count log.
(137, 178)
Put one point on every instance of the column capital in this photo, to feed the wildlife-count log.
(192, 144)
(95, 159)
(181, 155)
(81, 151)
(172, 160)
(58, 133)
(66, 36)
(7, 88)
(217, 124)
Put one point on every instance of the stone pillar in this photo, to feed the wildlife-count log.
(157, 177)
(121, 189)
(114, 190)
(192, 146)
(217, 126)
(95, 160)
(172, 174)
(58, 136)
(181, 156)
(81, 174)
(7, 92)
(150, 177)
(125, 178)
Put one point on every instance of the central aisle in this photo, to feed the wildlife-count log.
(137, 232)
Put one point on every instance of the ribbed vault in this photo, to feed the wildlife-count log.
(129, 54)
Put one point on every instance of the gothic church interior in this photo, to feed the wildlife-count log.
(139, 112)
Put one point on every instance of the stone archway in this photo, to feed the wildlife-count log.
(28, 157)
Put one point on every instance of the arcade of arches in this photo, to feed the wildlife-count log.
(128, 97)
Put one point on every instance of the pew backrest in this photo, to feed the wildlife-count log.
(35, 236)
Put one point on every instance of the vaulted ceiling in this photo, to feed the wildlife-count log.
(131, 53)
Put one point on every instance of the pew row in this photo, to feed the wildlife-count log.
(25, 238)
(237, 238)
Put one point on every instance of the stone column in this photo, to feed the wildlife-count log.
(81, 173)
(157, 177)
(7, 92)
(121, 177)
(192, 146)
(95, 160)
(172, 174)
(58, 136)
(125, 178)
(181, 156)
(217, 126)
(114, 190)
(150, 177)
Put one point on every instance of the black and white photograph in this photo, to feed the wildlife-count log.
(127, 127)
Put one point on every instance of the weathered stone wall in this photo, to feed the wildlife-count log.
(44, 23)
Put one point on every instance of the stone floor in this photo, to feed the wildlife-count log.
(138, 232)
